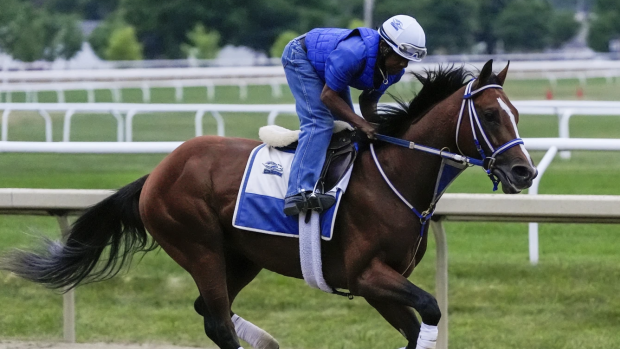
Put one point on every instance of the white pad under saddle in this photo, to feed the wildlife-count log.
(277, 136)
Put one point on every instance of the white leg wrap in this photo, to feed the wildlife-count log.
(254, 335)
(428, 337)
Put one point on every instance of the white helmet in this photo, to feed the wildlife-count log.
(406, 37)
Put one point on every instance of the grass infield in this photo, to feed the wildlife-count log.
(497, 300)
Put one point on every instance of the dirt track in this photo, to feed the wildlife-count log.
(59, 345)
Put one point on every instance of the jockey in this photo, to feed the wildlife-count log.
(320, 66)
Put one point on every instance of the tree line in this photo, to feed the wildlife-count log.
(154, 29)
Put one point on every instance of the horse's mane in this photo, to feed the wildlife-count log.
(437, 85)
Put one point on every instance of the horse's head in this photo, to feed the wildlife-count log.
(487, 128)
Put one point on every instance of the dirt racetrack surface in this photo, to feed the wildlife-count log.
(60, 345)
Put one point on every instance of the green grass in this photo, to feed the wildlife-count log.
(497, 300)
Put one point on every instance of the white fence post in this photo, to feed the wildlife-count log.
(198, 122)
(533, 190)
(66, 134)
(129, 125)
(5, 124)
(48, 124)
(68, 299)
(441, 281)
(564, 130)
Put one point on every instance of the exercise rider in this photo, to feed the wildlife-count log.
(320, 67)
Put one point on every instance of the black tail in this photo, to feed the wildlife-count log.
(113, 224)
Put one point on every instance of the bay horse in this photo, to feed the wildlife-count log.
(187, 205)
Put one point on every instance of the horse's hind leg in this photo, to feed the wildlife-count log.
(210, 277)
(191, 235)
(401, 317)
(240, 272)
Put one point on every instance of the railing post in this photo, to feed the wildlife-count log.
(66, 132)
(129, 125)
(68, 305)
(48, 124)
(271, 118)
(198, 123)
(441, 281)
(220, 122)
(564, 130)
(5, 125)
(533, 190)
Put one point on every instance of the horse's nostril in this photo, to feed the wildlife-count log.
(522, 172)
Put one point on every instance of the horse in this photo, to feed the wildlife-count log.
(187, 202)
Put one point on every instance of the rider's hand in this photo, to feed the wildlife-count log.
(369, 129)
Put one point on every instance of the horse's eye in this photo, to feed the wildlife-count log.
(490, 116)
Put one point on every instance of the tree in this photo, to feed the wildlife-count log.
(100, 37)
(605, 26)
(448, 24)
(63, 37)
(203, 43)
(355, 23)
(29, 34)
(488, 11)
(87, 9)
(564, 27)
(283, 39)
(162, 25)
(124, 45)
(524, 25)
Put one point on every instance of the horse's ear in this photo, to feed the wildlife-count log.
(485, 74)
(502, 75)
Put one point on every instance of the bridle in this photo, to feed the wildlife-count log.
(486, 162)
(474, 121)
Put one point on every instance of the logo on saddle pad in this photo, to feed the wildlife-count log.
(273, 168)
(397, 24)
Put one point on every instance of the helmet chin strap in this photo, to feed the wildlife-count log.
(383, 53)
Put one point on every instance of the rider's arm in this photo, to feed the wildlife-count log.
(342, 110)
(342, 66)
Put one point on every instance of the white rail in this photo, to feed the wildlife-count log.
(453, 207)
(32, 90)
(32, 82)
(563, 109)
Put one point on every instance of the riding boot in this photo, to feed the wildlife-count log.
(295, 204)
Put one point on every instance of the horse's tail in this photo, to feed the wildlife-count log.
(113, 224)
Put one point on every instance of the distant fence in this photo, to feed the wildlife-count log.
(114, 80)
(125, 113)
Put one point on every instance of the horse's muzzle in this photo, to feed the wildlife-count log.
(515, 178)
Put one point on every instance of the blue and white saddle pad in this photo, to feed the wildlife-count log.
(261, 196)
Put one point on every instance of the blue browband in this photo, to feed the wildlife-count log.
(459, 160)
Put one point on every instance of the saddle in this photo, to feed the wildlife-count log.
(341, 154)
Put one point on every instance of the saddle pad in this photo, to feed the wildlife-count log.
(261, 196)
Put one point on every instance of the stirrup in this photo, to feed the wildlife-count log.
(320, 202)
(305, 201)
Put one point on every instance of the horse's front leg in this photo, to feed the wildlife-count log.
(382, 284)
(401, 317)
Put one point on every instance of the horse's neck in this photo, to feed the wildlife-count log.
(413, 172)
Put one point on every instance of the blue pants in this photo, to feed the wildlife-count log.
(316, 121)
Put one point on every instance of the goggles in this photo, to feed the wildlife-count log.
(412, 52)
(409, 51)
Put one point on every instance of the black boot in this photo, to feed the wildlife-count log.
(295, 204)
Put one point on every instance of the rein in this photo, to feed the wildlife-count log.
(460, 159)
